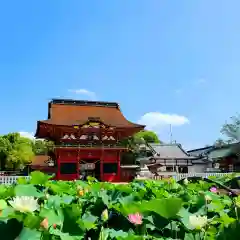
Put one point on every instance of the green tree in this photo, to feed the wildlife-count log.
(140, 138)
(133, 143)
(5, 147)
(219, 142)
(16, 151)
(41, 147)
(146, 136)
(231, 129)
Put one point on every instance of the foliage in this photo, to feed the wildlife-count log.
(5, 147)
(232, 129)
(141, 138)
(220, 142)
(133, 143)
(147, 136)
(41, 147)
(15, 151)
(226, 178)
(138, 210)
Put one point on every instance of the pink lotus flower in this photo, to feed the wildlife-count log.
(213, 189)
(135, 218)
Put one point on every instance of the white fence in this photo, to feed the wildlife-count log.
(11, 179)
(179, 176)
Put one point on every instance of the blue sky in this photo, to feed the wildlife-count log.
(163, 61)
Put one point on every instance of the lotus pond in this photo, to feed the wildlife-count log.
(44, 209)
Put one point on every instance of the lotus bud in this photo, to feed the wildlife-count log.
(208, 198)
(105, 215)
(44, 223)
(80, 193)
(185, 181)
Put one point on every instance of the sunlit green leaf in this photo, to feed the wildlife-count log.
(3, 204)
(27, 190)
(29, 234)
(39, 178)
(166, 208)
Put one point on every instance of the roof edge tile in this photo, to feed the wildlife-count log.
(84, 103)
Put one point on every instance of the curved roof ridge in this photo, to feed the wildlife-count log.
(164, 144)
(84, 102)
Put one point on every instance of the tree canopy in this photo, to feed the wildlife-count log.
(17, 151)
(41, 147)
(230, 130)
(147, 136)
(219, 142)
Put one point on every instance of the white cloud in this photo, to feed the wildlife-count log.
(90, 94)
(29, 135)
(156, 121)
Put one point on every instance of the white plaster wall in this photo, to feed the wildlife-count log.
(198, 168)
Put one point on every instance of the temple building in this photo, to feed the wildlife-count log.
(161, 158)
(87, 137)
(223, 158)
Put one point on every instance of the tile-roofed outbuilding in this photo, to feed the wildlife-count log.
(40, 163)
(200, 151)
(170, 151)
(216, 152)
(220, 153)
(165, 152)
(40, 160)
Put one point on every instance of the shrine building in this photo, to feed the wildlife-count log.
(87, 137)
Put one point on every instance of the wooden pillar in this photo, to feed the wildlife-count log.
(58, 162)
(119, 165)
(78, 161)
(78, 169)
(101, 164)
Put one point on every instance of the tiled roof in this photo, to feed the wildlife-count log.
(73, 112)
(170, 151)
(39, 160)
(200, 161)
(200, 151)
(220, 153)
(215, 152)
